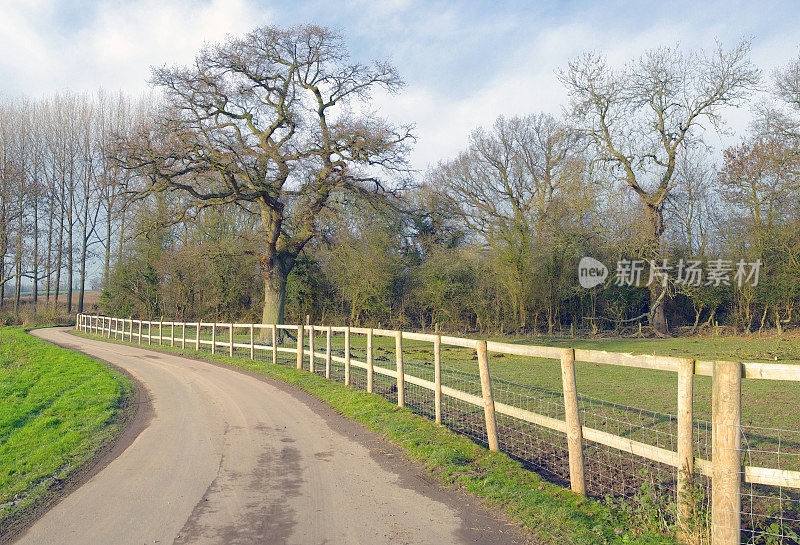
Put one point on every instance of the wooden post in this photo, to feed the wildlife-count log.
(437, 376)
(577, 477)
(214, 338)
(401, 376)
(183, 335)
(347, 356)
(726, 473)
(109, 327)
(230, 340)
(275, 345)
(172, 333)
(370, 366)
(299, 346)
(160, 331)
(197, 339)
(139, 335)
(488, 399)
(310, 347)
(685, 443)
(149, 332)
(252, 344)
(328, 353)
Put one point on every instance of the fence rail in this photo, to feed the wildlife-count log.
(725, 467)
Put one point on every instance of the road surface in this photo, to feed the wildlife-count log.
(232, 458)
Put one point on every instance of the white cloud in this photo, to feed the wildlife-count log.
(117, 46)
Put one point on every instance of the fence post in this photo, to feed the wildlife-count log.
(328, 353)
(726, 476)
(183, 335)
(197, 339)
(310, 347)
(149, 332)
(139, 335)
(401, 376)
(230, 340)
(214, 338)
(370, 365)
(488, 399)
(685, 443)
(347, 355)
(437, 376)
(275, 345)
(300, 346)
(160, 331)
(109, 327)
(252, 344)
(577, 477)
(172, 333)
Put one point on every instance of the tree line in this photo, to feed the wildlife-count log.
(260, 184)
(61, 197)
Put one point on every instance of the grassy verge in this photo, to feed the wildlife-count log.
(58, 408)
(553, 514)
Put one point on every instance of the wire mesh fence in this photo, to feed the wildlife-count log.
(769, 512)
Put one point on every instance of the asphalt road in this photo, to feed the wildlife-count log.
(228, 457)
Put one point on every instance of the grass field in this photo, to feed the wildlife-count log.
(57, 409)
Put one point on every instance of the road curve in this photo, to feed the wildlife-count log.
(232, 458)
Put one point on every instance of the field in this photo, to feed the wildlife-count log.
(57, 409)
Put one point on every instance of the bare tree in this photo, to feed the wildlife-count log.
(513, 186)
(270, 122)
(640, 117)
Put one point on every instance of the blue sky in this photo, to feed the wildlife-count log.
(465, 62)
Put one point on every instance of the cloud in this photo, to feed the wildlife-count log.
(116, 45)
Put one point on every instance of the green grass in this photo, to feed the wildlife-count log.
(553, 514)
(57, 409)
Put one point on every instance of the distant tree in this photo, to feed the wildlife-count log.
(276, 123)
(513, 187)
(641, 117)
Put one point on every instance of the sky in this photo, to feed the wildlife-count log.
(464, 63)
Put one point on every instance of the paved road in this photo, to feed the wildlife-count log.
(236, 459)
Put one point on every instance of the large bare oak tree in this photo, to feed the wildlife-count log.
(276, 122)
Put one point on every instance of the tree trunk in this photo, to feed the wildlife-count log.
(274, 295)
(658, 295)
(107, 261)
(49, 260)
(36, 245)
